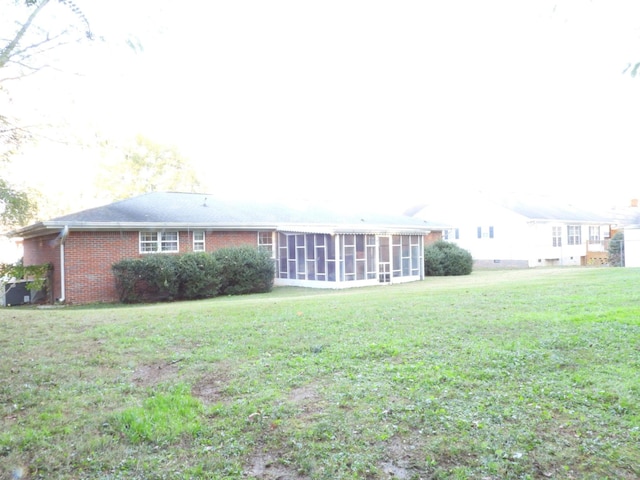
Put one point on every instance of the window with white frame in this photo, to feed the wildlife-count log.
(574, 234)
(151, 242)
(451, 234)
(198, 241)
(485, 232)
(556, 236)
(594, 234)
(265, 242)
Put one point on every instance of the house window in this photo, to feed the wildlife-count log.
(574, 235)
(265, 242)
(556, 235)
(198, 241)
(594, 234)
(485, 232)
(451, 234)
(151, 242)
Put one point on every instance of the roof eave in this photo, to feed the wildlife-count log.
(333, 229)
(43, 228)
(564, 220)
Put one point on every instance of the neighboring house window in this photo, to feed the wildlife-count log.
(265, 242)
(198, 241)
(451, 234)
(158, 242)
(574, 236)
(556, 235)
(484, 232)
(594, 234)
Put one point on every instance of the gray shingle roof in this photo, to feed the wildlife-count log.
(545, 209)
(530, 207)
(168, 209)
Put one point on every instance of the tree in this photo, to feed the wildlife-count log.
(24, 52)
(616, 250)
(17, 207)
(147, 167)
(28, 46)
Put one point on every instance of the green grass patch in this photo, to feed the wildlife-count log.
(163, 418)
(521, 374)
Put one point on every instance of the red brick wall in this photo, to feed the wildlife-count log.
(216, 240)
(89, 256)
(432, 237)
(88, 260)
(38, 251)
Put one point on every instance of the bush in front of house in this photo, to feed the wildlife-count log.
(150, 278)
(198, 276)
(244, 270)
(228, 271)
(444, 258)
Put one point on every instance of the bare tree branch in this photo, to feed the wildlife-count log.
(7, 52)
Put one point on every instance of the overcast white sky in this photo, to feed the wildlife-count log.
(375, 100)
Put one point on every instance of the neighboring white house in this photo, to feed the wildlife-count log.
(632, 246)
(519, 232)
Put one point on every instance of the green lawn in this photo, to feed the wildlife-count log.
(527, 374)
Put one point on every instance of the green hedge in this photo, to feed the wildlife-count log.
(229, 271)
(244, 270)
(147, 279)
(444, 258)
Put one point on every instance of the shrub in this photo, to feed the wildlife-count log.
(151, 278)
(198, 276)
(128, 273)
(444, 258)
(616, 250)
(244, 270)
(229, 271)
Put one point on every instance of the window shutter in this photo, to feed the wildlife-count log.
(479, 232)
(457, 233)
(490, 232)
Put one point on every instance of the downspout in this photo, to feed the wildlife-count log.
(421, 259)
(60, 241)
(62, 291)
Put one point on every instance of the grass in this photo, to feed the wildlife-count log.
(523, 374)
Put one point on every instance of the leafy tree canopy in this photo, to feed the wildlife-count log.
(16, 207)
(146, 166)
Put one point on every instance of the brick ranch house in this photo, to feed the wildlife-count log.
(311, 247)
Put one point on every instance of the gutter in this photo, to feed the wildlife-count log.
(42, 228)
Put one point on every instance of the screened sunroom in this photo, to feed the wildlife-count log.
(342, 260)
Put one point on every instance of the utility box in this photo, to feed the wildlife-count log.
(16, 293)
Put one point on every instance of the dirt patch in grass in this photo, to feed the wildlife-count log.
(210, 387)
(266, 466)
(401, 460)
(307, 399)
(304, 395)
(150, 375)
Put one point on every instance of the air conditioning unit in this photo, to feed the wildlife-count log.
(16, 293)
